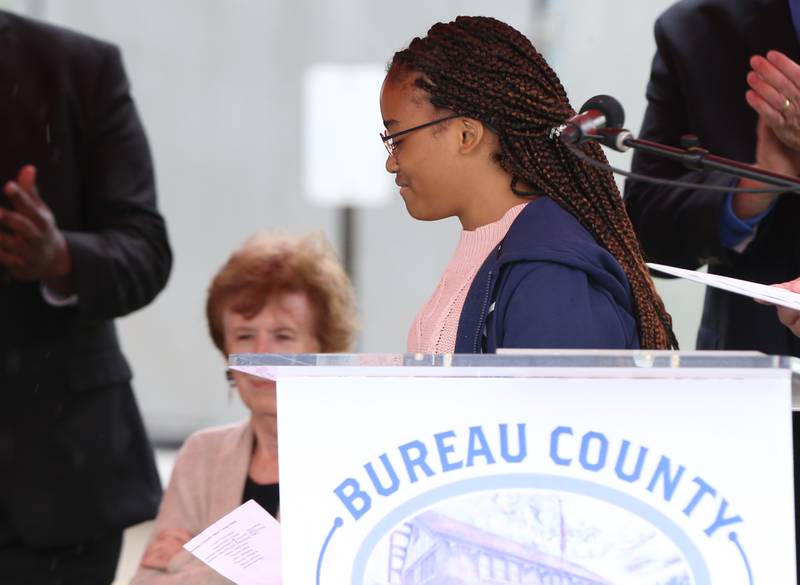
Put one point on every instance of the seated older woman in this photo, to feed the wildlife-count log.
(274, 295)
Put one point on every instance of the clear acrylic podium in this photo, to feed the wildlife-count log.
(535, 467)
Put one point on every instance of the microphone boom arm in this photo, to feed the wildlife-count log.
(693, 158)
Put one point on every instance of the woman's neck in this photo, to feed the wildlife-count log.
(264, 461)
(490, 200)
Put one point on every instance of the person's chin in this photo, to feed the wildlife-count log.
(412, 205)
(423, 214)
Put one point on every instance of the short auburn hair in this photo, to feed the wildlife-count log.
(269, 264)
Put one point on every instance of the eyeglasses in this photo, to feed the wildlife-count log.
(388, 139)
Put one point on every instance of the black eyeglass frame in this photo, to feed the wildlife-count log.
(389, 138)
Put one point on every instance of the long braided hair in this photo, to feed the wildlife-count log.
(485, 69)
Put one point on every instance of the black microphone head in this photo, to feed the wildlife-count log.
(611, 108)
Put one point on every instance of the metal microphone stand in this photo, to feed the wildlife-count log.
(692, 156)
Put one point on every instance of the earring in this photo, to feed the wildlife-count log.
(231, 384)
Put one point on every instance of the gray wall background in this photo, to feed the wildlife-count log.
(219, 87)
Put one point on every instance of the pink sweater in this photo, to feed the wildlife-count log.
(434, 330)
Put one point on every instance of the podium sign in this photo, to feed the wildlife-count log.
(579, 469)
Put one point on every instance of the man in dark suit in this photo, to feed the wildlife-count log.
(81, 242)
(697, 85)
(710, 78)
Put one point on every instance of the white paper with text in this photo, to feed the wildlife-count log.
(243, 546)
(762, 292)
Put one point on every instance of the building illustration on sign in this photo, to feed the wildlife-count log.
(434, 548)
(526, 537)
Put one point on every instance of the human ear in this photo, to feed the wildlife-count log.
(471, 135)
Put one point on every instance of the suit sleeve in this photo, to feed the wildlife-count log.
(675, 225)
(122, 258)
(557, 307)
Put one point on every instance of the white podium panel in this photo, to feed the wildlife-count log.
(631, 468)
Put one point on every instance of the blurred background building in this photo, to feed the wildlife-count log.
(223, 89)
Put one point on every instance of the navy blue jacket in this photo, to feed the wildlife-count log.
(548, 284)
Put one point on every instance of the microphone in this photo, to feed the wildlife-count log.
(601, 118)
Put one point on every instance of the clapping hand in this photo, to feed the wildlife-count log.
(775, 94)
(31, 245)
